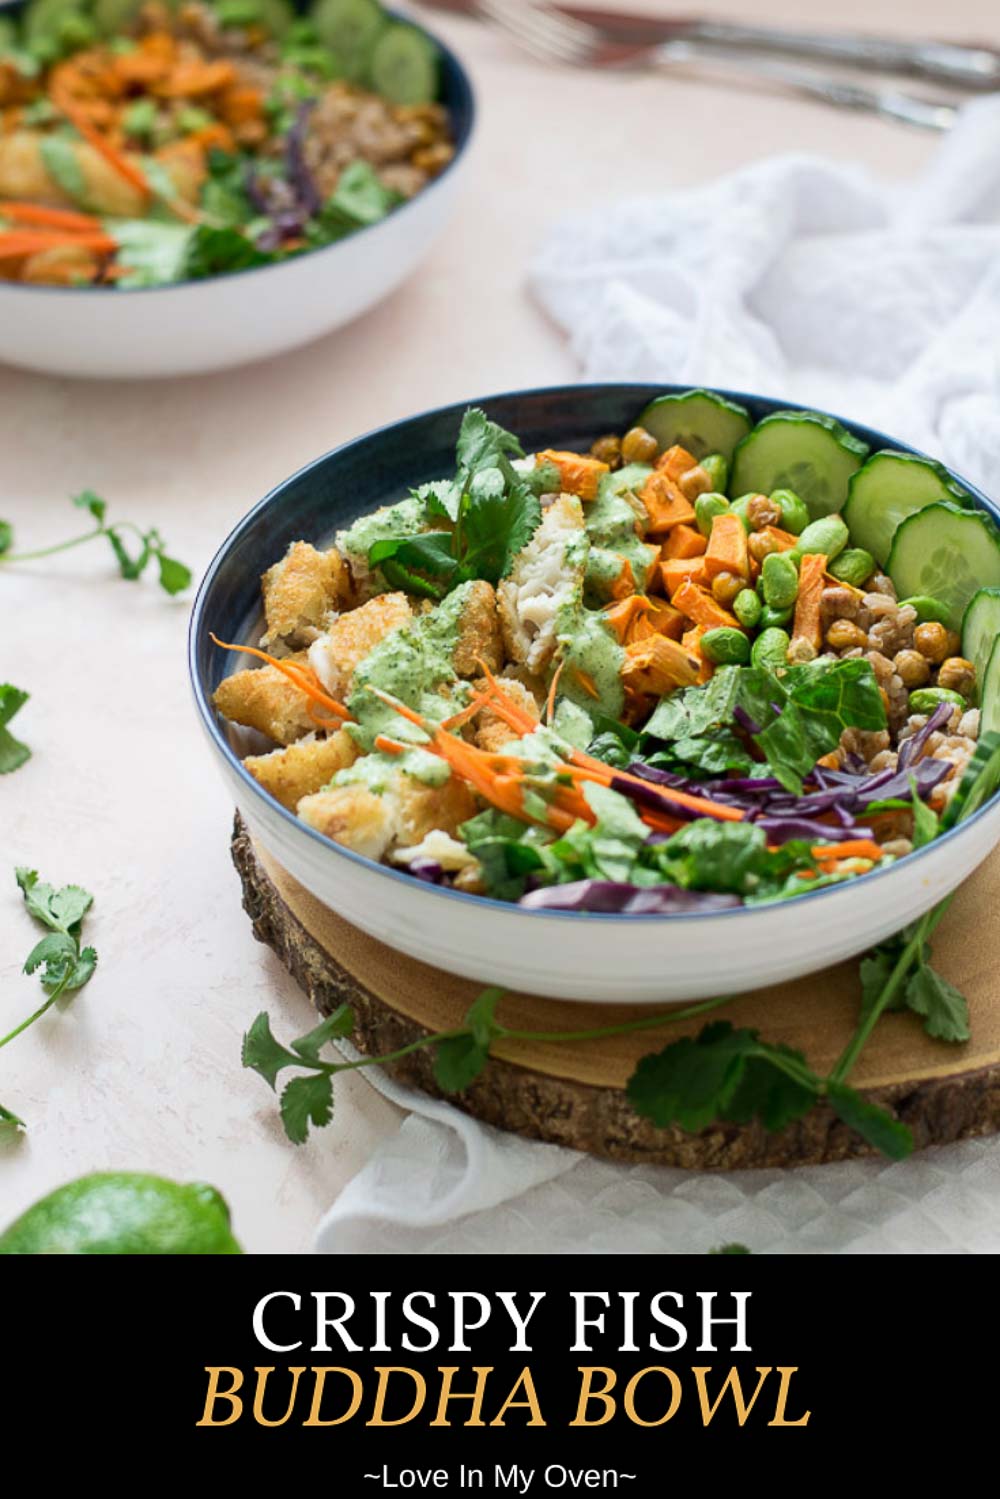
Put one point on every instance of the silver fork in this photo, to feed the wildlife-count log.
(552, 37)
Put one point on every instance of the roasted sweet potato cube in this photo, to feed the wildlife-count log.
(664, 504)
(680, 570)
(578, 474)
(657, 665)
(691, 641)
(727, 548)
(683, 541)
(699, 605)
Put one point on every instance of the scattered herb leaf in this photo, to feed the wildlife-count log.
(174, 576)
(13, 752)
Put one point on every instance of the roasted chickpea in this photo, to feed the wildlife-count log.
(935, 641)
(608, 449)
(957, 674)
(845, 635)
(639, 446)
(760, 545)
(762, 512)
(725, 587)
(694, 482)
(912, 668)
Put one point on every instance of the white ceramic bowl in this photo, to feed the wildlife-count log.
(626, 959)
(195, 327)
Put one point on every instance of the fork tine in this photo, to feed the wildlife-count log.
(545, 35)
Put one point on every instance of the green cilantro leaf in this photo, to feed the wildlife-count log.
(9, 1120)
(482, 443)
(731, 1249)
(874, 1124)
(263, 1053)
(944, 1008)
(458, 1060)
(88, 500)
(174, 576)
(496, 525)
(692, 1081)
(304, 1101)
(12, 752)
(480, 1016)
(337, 1025)
(6, 536)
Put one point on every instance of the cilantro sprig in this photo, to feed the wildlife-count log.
(133, 557)
(13, 752)
(62, 963)
(491, 508)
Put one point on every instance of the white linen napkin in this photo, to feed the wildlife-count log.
(794, 278)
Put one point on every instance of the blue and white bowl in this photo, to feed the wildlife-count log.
(611, 958)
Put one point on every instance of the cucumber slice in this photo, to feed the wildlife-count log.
(350, 28)
(948, 553)
(888, 488)
(981, 630)
(699, 420)
(981, 778)
(800, 450)
(405, 66)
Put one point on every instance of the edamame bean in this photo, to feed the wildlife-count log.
(770, 649)
(717, 469)
(779, 580)
(928, 610)
(706, 508)
(794, 512)
(747, 608)
(726, 646)
(855, 566)
(770, 617)
(739, 507)
(827, 536)
(926, 699)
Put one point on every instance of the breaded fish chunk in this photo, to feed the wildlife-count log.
(479, 636)
(263, 699)
(493, 732)
(403, 814)
(301, 591)
(303, 768)
(353, 816)
(336, 655)
(545, 584)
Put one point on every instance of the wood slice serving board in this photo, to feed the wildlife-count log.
(574, 1095)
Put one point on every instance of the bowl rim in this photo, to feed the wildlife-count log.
(198, 629)
(470, 101)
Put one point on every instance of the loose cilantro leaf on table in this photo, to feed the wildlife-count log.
(132, 558)
(62, 964)
(13, 752)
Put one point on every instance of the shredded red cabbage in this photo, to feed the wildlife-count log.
(914, 746)
(630, 900)
(428, 870)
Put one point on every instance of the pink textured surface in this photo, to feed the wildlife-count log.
(144, 1071)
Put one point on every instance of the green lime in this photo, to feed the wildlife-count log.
(124, 1212)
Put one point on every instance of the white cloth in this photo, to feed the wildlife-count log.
(794, 278)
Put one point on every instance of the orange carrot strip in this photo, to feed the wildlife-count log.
(302, 677)
(853, 848)
(587, 682)
(68, 106)
(550, 702)
(48, 218)
(18, 242)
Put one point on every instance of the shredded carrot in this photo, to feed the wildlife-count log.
(67, 105)
(852, 848)
(51, 218)
(550, 701)
(587, 682)
(302, 677)
(19, 242)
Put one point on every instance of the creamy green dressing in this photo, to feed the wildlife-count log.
(410, 663)
(610, 522)
(378, 771)
(407, 518)
(593, 648)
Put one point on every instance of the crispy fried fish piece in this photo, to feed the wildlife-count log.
(545, 584)
(479, 637)
(336, 655)
(492, 732)
(300, 592)
(405, 812)
(263, 699)
(303, 768)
